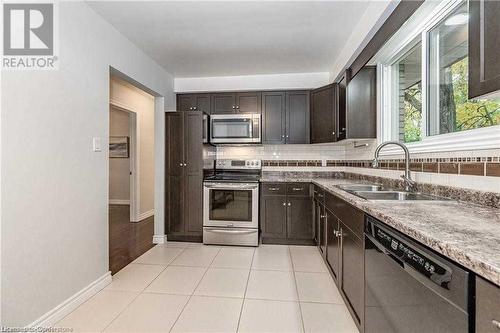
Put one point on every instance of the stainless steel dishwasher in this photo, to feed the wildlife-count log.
(409, 288)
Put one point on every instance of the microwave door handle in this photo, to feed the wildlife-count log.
(250, 123)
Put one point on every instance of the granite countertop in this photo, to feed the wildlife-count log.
(466, 233)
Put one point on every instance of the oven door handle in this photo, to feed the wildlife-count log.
(232, 187)
(232, 231)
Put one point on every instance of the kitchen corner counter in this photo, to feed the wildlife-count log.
(466, 233)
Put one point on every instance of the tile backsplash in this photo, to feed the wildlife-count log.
(477, 169)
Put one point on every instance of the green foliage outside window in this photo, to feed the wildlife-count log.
(413, 113)
(470, 114)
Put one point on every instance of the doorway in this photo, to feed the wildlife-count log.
(131, 173)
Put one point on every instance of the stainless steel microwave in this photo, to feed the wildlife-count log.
(235, 128)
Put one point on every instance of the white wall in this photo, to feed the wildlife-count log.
(141, 104)
(373, 18)
(119, 168)
(252, 82)
(54, 190)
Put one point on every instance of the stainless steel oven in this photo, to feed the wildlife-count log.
(231, 203)
(235, 128)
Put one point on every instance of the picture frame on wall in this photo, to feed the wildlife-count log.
(119, 147)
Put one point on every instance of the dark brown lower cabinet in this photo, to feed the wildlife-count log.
(184, 175)
(332, 243)
(487, 307)
(273, 216)
(352, 270)
(286, 213)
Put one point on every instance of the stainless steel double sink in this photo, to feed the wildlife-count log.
(378, 192)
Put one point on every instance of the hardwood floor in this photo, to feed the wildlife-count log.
(127, 241)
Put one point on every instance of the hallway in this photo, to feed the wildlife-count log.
(127, 241)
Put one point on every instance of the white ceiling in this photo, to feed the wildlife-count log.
(201, 38)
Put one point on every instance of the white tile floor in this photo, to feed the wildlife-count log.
(183, 287)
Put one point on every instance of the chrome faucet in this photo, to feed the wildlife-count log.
(410, 185)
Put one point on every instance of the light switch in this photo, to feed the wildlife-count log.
(96, 144)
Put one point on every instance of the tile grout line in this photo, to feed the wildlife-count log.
(297, 290)
(142, 291)
(245, 293)
(192, 294)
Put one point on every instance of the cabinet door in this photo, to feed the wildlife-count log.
(487, 307)
(273, 118)
(352, 270)
(299, 218)
(484, 53)
(193, 206)
(186, 102)
(297, 117)
(362, 104)
(203, 103)
(223, 103)
(317, 213)
(332, 242)
(273, 216)
(323, 115)
(193, 179)
(174, 205)
(340, 102)
(322, 229)
(248, 102)
(174, 145)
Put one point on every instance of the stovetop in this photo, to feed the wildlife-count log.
(233, 177)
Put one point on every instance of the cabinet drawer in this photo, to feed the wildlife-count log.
(350, 216)
(273, 189)
(487, 307)
(318, 193)
(301, 189)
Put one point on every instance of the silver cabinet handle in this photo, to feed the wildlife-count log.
(496, 323)
(283, 136)
(284, 203)
(195, 108)
(180, 164)
(185, 164)
(234, 107)
(289, 204)
(297, 189)
(322, 216)
(333, 133)
(287, 136)
(273, 189)
(320, 195)
(237, 106)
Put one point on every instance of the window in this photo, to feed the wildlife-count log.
(408, 80)
(450, 110)
(424, 84)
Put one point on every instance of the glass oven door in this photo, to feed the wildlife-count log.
(231, 205)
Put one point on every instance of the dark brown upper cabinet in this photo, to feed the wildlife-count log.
(193, 102)
(285, 117)
(340, 101)
(184, 175)
(361, 108)
(273, 117)
(223, 103)
(323, 115)
(484, 50)
(230, 103)
(297, 117)
(248, 102)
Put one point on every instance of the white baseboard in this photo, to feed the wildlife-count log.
(62, 310)
(145, 215)
(119, 202)
(159, 239)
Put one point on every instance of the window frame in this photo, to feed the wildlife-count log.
(415, 30)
